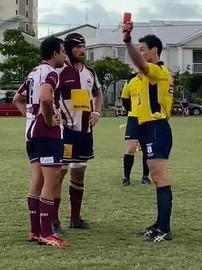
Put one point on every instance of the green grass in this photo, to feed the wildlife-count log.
(116, 213)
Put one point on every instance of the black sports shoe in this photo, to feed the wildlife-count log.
(56, 226)
(126, 182)
(158, 236)
(80, 224)
(145, 180)
(149, 231)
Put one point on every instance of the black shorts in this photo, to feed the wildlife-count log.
(132, 128)
(156, 139)
(46, 151)
(78, 146)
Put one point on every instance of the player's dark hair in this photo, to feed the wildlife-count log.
(49, 46)
(152, 41)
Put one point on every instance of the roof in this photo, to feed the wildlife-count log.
(32, 40)
(172, 33)
(65, 32)
(176, 32)
(12, 22)
(114, 36)
(15, 19)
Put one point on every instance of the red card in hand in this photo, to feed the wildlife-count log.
(127, 17)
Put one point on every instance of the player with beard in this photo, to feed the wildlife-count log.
(80, 103)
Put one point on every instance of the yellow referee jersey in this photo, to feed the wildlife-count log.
(156, 94)
(131, 90)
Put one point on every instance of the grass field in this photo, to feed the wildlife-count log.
(116, 213)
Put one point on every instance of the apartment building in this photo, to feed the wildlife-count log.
(28, 9)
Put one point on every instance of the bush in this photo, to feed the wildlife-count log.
(9, 96)
(197, 100)
(10, 93)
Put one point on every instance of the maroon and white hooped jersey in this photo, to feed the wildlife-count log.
(35, 125)
(76, 92)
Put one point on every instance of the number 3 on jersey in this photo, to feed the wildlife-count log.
(30, 88)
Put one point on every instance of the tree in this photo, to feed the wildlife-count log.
(110, 70)
(20, 57)
(194, 82)
(181, 82)
(9, 96)
(186, 83)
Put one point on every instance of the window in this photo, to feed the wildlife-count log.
(27, 27)
(27, 14)
(197, 61)
(27, 2)
(197, 56)
(16, 2)
(91, 56)
(113, 52)
(121, 54)
(16, 12)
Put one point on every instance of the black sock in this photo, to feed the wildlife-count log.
(145, 167)
(128, 161)
(164, 203)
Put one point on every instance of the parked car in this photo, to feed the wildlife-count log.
(7, 108)
(194, 109)
(176, 109)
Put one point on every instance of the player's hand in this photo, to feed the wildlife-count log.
(127, 28)
(94, 118)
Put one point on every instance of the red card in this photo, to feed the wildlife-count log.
(127, 17)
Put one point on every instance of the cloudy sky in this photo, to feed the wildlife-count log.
(58, 15)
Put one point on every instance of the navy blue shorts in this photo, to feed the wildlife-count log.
(132, 128)
(46, 151)
(78, 146)
(156, 139)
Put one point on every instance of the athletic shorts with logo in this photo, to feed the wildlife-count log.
(46, 151)
(132, 128)
(155, 138)
(78, 146)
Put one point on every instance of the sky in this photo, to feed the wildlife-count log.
(59, 15)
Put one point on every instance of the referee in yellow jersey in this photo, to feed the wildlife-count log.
(155, 136)
(129, 97)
